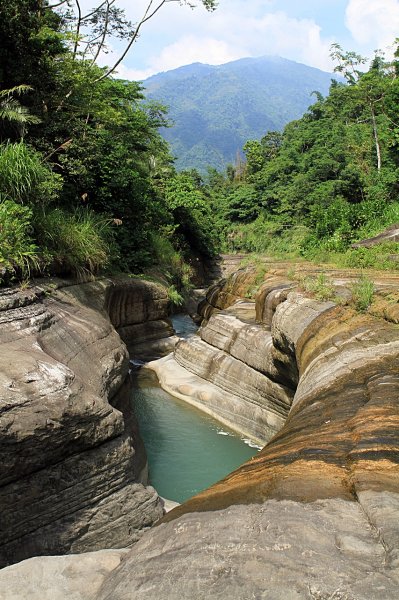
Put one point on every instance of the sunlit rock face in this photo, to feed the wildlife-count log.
(314, 515)
(139, 311)
(232, 369)
(70, 577)
(72, 465)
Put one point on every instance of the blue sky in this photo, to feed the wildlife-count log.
(300, 30)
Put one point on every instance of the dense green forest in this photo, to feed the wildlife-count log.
(330, 179)
(86, 181)
(216, 109)
(88, 184)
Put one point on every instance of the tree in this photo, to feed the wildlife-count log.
(13, 115)
(94, 154)
(369, 87)
(91, 32)
(259, 152)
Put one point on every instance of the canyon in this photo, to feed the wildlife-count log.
(313, 515)
(73, 468)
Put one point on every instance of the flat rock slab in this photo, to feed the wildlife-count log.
(73, 577)
(279, 550)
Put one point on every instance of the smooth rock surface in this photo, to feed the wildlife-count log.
(72, 464)
(278, 550)
(315, 514)
(250, 343)
(249, 418)
(73, 577)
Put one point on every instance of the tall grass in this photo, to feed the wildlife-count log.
(362, 293)
(77, 240)
(320, 286)
(24, 177)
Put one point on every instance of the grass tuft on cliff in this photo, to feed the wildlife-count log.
(78, 240)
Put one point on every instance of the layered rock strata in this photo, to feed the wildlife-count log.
(314, 515)
(72, 465)
(231, 369)
(229, 372)
(139, 311)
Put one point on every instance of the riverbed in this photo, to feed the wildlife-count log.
(187, 449)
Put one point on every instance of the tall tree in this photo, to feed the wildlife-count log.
(91, 31)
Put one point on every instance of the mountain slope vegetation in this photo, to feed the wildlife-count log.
(329, 179)
(215, 109)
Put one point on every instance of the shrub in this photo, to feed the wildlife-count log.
(78, 240)
(265, 236)
(380, 256)
(175, 298)
(16, 245)
(171, 261)
(362, 293)
(24, 177)
(319, 286)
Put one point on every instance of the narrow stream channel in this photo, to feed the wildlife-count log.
(187, 449)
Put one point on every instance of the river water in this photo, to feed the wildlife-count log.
(187, 449)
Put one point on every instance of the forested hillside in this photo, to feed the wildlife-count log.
(328, 180)
(86, 181)
(88, 184)
(215, 109)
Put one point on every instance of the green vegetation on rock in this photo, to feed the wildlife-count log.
(329, 180)
(86, 181)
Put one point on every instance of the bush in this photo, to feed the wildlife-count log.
(171, 262)
(380, 256)
(263, 236)
(320, 286)
(175, 298)
(24, 177)
(74, 241)
(17, 249)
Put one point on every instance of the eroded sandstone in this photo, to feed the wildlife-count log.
(314, 515)
(72, 465)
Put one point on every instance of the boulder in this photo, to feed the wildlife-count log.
(390, 234)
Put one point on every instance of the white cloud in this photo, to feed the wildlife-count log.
(229, 36)
(277, 33)
(239, 28)
(373, 21)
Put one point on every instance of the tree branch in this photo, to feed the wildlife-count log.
(58, 4)
(93, 12)
(77, 31)
(147, 15)
(101, 44)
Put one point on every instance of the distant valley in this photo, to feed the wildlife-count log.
(216, 109)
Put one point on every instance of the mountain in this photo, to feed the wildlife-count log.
(216, 109)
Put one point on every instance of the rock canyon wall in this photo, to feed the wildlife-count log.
(315, 514)
(73, 469)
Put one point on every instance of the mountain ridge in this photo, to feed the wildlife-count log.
(217, 108)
